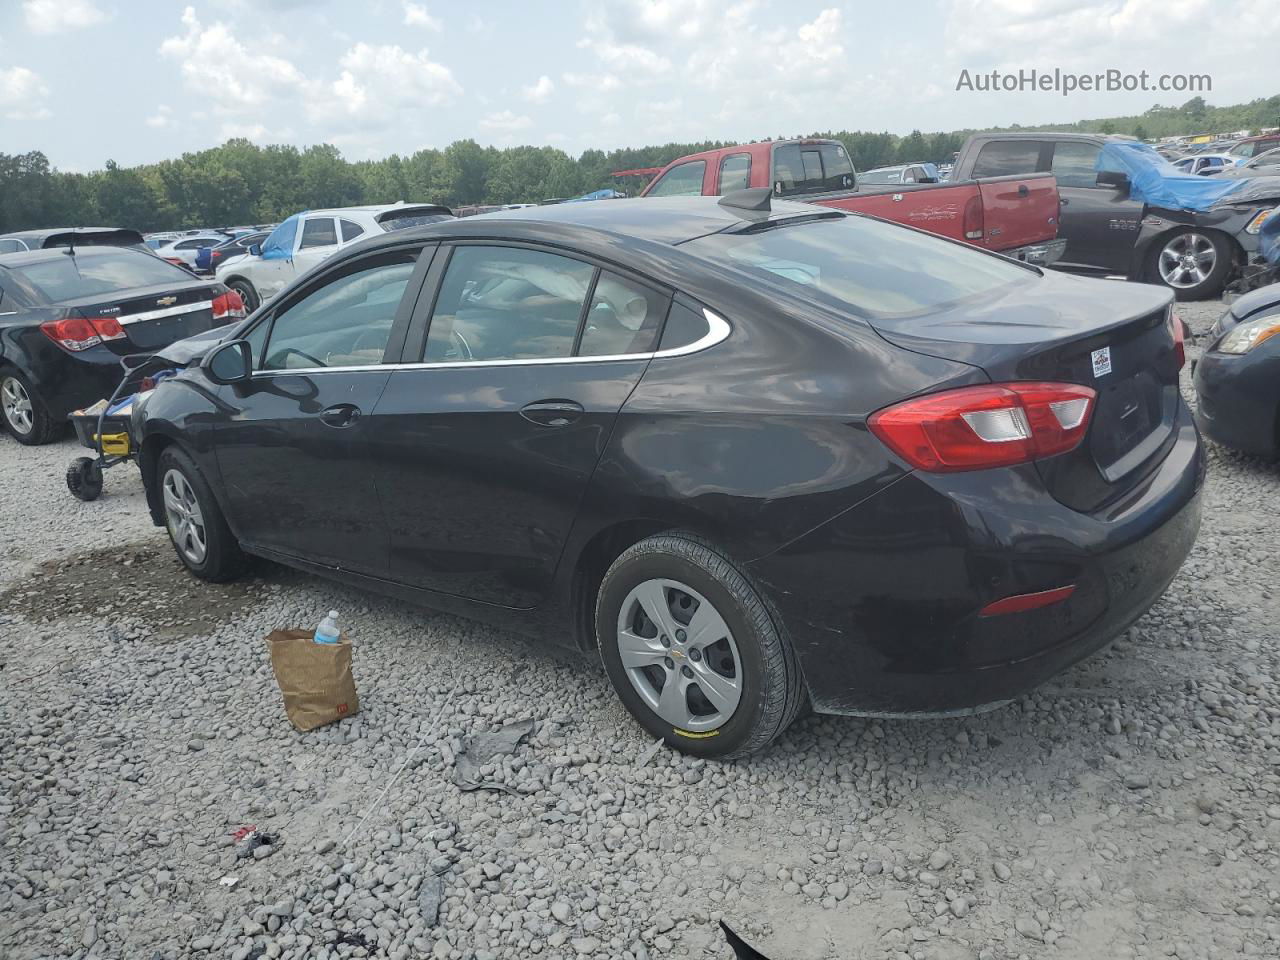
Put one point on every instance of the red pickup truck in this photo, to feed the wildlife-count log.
(1016, 216)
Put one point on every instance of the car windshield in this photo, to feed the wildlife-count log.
(869, 267)
(68, 277)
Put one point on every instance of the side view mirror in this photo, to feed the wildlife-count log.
(229, 363)
(255, 249)
(1111, 178)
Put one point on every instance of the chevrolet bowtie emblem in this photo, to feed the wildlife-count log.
(166, 301)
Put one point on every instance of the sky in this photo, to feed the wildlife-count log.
(137, 81)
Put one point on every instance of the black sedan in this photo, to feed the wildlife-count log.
(1237, 380)
(757, 457)
(67, 316)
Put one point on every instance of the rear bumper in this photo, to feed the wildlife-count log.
(882, 602)
(1239, 400)
(1039, 254)
(65, 381)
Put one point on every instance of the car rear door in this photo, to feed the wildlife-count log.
(293, 444)
(483, 443)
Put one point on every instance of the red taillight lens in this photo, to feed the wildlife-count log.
(108, 328)
(81, 333)
(974, 226)
(975, 428)
(1177, 331)
(228, 306)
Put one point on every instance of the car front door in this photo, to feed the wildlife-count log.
(293, 443)
(316, 243)
(1099, 223)
(272, 271)
(483, 450)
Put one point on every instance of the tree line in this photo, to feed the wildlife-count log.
(242, 183)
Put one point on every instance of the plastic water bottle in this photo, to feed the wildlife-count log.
(327, 632)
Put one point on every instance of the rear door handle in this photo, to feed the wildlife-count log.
(340, 415)
(552, 413)
(1063, 202)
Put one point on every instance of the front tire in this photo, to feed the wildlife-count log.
(24, 413)
(1193, 263)
(694, 651)
(248, 293)
(199, 532)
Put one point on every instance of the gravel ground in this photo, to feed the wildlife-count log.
(1131, 808)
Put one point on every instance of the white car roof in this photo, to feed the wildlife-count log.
(373, 210)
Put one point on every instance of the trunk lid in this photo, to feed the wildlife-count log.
(1018, 210)
(153, 317)
(1111, 336)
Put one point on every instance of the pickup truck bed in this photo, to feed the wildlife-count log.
(1013, 215)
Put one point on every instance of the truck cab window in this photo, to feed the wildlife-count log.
(1002, 158)
(1074, 163)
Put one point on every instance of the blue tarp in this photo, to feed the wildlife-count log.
(1158, 183)
(279, 246)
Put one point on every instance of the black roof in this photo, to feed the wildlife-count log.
(668, 220)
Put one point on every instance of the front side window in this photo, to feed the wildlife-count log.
(318, 233)
(682, 181)
(865, 266)
(735, 172)
(1075, 164)
(507, 303)
(1005, 158)
(344, 323)
(624, 318)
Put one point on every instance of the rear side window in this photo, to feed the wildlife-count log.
(682, 181)
(507, 303)
(735, 172)
(318, 233)
(624, 318)
(800, 168)
(350, 230)
(67, 277)
(345, 323)
(684, 326)
(1002, 158)
(1073, 164)
(867, 267)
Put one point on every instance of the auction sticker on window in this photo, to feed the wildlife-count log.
(1101, 362)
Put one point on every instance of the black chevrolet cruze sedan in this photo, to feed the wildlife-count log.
(760, 457)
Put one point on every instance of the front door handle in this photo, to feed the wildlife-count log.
(552, 413)
(1063, 202)
(340, 415)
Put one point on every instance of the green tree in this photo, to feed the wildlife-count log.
(460, 176)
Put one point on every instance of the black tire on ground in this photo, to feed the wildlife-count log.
(223, 559)
(248, 293)
(772, 687)
(43, 428)
(84, 479)
(1211, 286)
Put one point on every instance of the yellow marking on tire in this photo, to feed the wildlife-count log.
(695, 736)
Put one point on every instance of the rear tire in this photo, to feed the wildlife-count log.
(1193, 263)
(24, 414)
(737, 683)
(199, 532)
(248, 293)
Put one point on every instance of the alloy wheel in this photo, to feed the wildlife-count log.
(185, 521)
(1187, 260)
(679, 655)
(16, 403)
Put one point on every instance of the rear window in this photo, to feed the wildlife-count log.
(1005, 158)
(390, 221)
(867, 267)
(800, 168)
(67, 277)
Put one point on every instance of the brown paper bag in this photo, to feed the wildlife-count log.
(315, 678)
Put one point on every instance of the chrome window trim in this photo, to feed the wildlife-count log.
(718, 330)
(166, 312)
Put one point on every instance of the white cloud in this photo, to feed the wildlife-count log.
(540, 91)
(55, 16)
(505, 122)
(161, 118)
(22, 94)
(376, 81)
(417, 15)
(219, 67)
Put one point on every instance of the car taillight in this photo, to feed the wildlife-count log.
(974, 428)
(81, 333)
(228, 306)
(974, 227)
(1177, 331)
